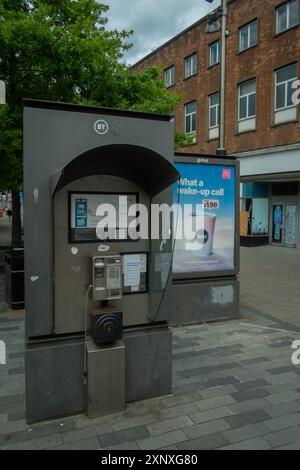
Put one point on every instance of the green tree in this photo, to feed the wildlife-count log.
(61, 50)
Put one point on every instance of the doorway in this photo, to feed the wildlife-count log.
(285, 223)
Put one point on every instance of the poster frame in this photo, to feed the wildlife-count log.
(204, 159)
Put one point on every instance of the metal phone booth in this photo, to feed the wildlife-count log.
(97, 311)
(205, 270)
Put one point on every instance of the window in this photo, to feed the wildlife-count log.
(284, 91)
(214, 116)
(190, 65)
(170, 76)
(285, 109)
(248, 35)
(287, 16)
(247, 106)
(214, 110)
(190, 117)
(214, 53)
(247, 100)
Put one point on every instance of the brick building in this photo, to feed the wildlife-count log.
(262, 121)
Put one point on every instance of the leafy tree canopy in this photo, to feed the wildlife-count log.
(61, 50)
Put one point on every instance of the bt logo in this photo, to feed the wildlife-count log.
(101, 127)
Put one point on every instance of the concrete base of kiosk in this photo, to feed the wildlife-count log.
(136, 368)
(204, 301)
(148, 362)
(54, 379)
(106, 378)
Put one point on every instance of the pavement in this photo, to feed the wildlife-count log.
(270, 282)
(234, 387)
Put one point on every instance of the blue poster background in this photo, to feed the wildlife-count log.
(213, 185)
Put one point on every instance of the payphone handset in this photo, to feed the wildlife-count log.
(107, 277)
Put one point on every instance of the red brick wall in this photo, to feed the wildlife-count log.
(260, 61)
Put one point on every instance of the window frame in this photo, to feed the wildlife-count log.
(247, 25)
(210, 106)
(186, 59)
(218, 42)
(254, 116)
(276, 110)
(171, 67)
(190, 115)
(288, 28)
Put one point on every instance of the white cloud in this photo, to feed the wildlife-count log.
(154, 21)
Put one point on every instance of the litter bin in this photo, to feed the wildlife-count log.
(14, 278)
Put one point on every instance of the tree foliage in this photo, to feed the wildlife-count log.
(61, 50)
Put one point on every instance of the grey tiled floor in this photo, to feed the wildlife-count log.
(270, 281)
(234, 387)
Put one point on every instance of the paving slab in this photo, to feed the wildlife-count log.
(257, 443)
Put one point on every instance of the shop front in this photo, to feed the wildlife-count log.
(285, 214)
(285, 223)
(270, 197)
(254, 207)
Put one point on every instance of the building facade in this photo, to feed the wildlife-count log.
(262, 114)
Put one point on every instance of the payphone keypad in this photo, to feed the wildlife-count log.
(107, 277)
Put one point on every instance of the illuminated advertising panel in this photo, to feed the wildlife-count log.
(209, 193)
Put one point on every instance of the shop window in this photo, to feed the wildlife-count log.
(260, 217)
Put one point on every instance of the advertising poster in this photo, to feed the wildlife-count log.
(212, 247)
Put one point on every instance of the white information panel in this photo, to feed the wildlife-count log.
(134, 273)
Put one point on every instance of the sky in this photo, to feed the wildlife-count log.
(154, 21)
